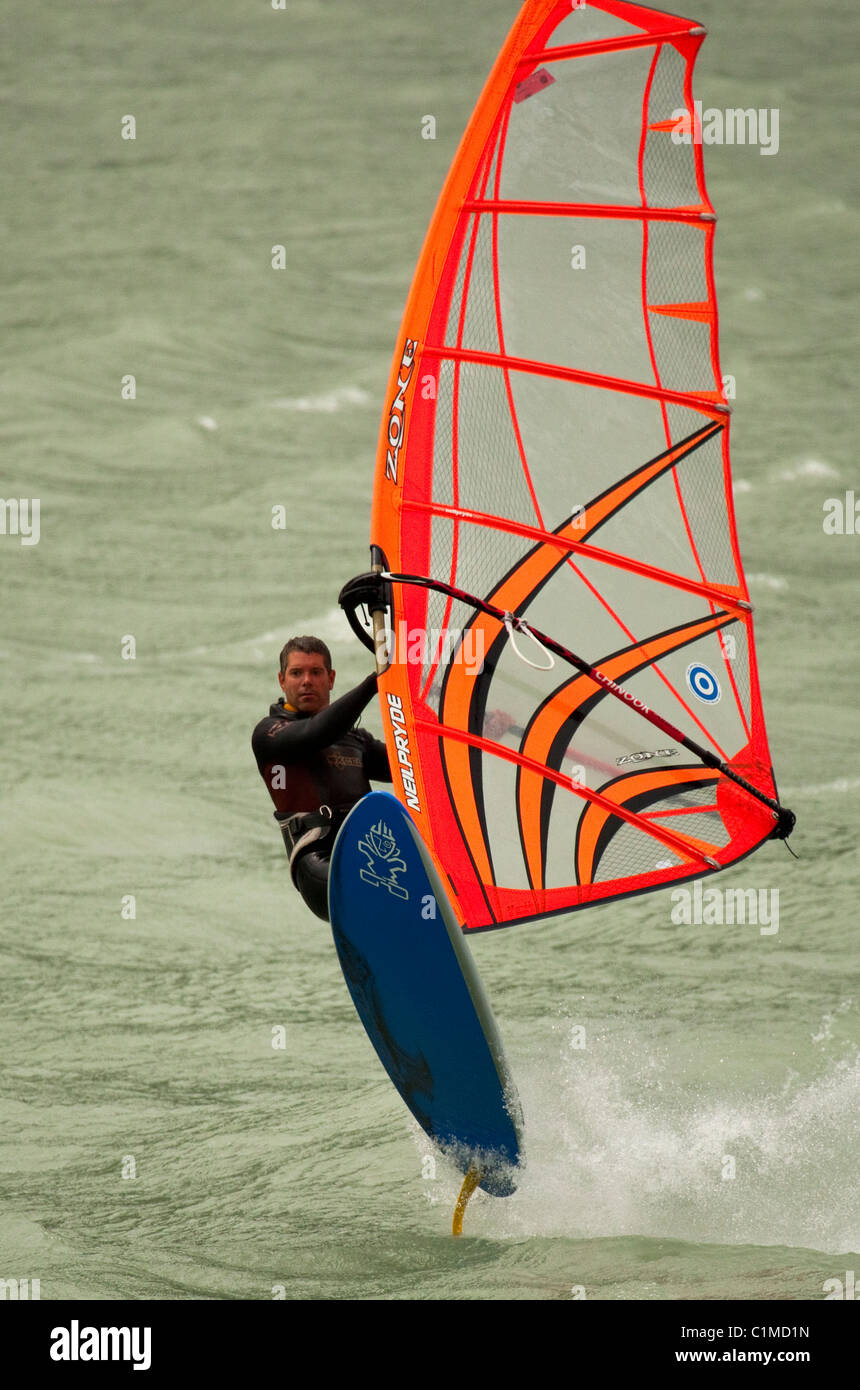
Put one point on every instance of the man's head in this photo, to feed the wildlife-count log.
(306, 677)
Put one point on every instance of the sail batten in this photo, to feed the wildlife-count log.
(590, 50)
(513, 206)
(715, 593)
(707, 402)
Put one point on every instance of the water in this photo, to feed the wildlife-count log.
(143, 1045)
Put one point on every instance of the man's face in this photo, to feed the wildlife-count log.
(306, 682)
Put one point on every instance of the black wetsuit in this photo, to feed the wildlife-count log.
(309, 761)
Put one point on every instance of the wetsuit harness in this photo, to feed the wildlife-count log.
(317, 761)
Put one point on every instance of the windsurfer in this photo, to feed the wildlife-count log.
(315, 763)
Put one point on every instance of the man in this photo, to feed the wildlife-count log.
(315, 763)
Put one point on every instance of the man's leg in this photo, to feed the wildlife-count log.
(310, 876)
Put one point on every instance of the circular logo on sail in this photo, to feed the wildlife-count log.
(703, 683)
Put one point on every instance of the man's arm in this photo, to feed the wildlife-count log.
(294, 740)
(375, 760)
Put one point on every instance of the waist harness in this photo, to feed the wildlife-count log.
(307, 832)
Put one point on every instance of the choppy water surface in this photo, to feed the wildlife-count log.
(144, 1045)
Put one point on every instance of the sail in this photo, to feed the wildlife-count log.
(554, 444)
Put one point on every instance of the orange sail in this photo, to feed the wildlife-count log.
(555, 443)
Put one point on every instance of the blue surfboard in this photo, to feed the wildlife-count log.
(418, 993)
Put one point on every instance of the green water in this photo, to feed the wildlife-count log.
(144, 1044)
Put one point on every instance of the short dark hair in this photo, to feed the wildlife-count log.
(312, 646)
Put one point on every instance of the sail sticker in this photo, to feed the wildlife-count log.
(703, 683)
(397, 413)
(535, 83)
(384, 861)
(643, 757)
(404, 757)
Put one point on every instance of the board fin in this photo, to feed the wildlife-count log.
(470, 1182)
